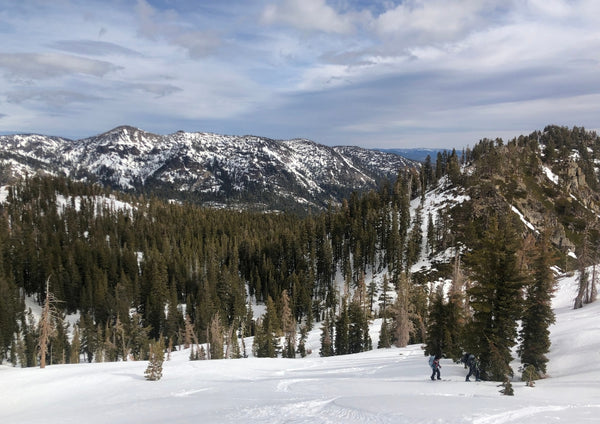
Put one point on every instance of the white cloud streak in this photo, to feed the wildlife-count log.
(50, 65)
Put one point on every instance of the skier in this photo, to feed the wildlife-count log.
(473, 365)
(434, 363)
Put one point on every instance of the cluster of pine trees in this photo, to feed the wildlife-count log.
(138, 269)
(506, 279)
(505, 276)
(142, 269)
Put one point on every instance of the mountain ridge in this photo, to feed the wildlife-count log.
(206, 167)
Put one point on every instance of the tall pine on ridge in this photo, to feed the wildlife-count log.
(495, 298)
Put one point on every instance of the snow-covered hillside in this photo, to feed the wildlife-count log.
(380, 386)
(206, 166)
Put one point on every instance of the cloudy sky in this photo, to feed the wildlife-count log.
(380, 73)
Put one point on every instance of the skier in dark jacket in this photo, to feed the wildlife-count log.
(473, 365)
(434, 363)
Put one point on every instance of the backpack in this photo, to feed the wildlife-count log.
(465, 358)
(473, 362)
(431, 359)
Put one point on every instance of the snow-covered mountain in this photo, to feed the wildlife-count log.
(206, 167)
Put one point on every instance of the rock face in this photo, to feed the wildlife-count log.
(551, 178)
(225, 170)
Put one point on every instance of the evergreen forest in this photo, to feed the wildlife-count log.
(135, 269)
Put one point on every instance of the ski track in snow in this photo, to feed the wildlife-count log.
(185, 393)
(325, 411)
(539, 413)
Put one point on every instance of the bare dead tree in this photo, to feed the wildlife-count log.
(47, 323)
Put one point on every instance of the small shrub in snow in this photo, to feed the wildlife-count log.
(155, 361)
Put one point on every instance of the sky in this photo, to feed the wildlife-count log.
(381, 73)
(379, 386)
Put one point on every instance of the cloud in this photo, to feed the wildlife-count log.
(93, 48)
(51, 65)
(551, 8)
(198, 44)
(158, 89)
(423, 22)
(56, 98)
(308, 15)
(156, 25)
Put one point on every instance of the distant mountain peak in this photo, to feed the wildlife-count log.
(207, 167)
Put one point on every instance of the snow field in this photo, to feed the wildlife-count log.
(379, 386)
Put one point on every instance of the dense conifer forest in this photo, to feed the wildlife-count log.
(137, 269)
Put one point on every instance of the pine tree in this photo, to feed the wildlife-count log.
(415, 239)
(302, 342)
(455, 320)
(530, 374)
(139, 337)
(587, 285)
(436, 327)
(266, 340)
(155, 361)
(230, 342)
(216, 338)
(385, 338)
(154, 273)
(111, 350)
(59, 341)
(385, 298)
(402, 326)
(431, 236)
(189, 332)
(342, 325)
(394, 244)
(538, 314)
(453, 168)
(507, 388)
(174, 320)
(358, 329)
(258, 347)
(454, 326)
(11, 304)
(496, 298)
(99, 353)
(289, 327)
(235, 350)
(327, 348)
(122, 338)
(75, 346)
(30, 340)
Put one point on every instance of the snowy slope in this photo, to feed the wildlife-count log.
(380, 386)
